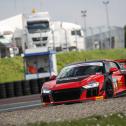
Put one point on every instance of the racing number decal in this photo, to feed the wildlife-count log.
(114, 80)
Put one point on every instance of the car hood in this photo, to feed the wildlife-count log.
(73, 82)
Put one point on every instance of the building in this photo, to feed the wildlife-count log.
(99, 38)
(7, 49)
(4, 47)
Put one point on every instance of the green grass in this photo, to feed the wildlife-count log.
(70, 57)
(110, 120)
(11, 69)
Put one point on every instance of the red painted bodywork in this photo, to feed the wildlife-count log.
(119, 85)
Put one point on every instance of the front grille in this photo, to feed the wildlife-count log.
(40, 44)
(45, 98)
(92, 92)
(40, 39)
(66, 94)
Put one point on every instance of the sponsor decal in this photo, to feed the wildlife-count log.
(99, 98)
(114, 80)
(120, 83)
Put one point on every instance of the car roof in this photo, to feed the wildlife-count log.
(92, 61)
(121, 60)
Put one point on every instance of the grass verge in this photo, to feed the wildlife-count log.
(110, 120)
(11, 69)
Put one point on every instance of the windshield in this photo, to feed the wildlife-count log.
(80, 70)
(37, 26)
(76, 32)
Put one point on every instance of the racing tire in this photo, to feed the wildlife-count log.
(26, 87)
(18, 88)
(109, 91)
(34, 86)
(10, 89)
(2, 91)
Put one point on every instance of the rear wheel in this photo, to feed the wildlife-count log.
(109, 91)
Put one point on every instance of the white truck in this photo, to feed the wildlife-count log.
(67, 36)
(56, 35)
(38, 30)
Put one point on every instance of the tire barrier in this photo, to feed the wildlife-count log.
(3, 91)
(34, 86)
(46, 79)
(40, 83)
(26, 87)
(18, 88)
(10, 89)
(21, 88)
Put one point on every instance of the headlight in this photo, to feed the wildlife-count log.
(45, 91)
(91, 85)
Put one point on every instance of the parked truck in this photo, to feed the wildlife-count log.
(57, 35)
(38, 30)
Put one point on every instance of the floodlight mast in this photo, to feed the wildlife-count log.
(108, 22)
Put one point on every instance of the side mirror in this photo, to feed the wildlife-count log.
(53, 77)
(113, 69)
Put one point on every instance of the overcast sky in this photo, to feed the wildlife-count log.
(69, 10)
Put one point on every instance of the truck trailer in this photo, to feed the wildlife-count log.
(38, 30)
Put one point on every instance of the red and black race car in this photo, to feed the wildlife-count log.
(90, 80)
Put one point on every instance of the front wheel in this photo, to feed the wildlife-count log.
(109, 91)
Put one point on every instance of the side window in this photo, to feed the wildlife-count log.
(122, 66)
(76, 32)
(107, 66)
(110, 65)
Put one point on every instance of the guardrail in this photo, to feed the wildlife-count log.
(21, 88)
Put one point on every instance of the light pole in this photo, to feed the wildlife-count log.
(84, 14)
(92, 35)
(107, 19)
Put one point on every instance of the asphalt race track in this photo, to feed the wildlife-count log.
(63, 112)
(17, 103)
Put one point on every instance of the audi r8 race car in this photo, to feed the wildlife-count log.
(90, 80)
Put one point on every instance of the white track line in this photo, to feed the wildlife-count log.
(20, 107)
